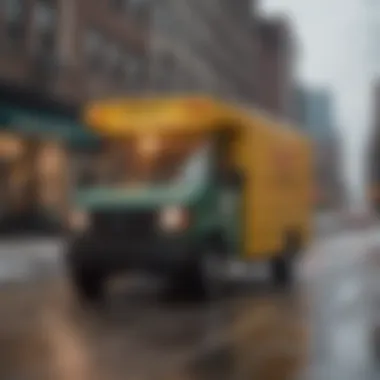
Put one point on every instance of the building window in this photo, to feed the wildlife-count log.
(127, 4)
(132, 66)
(119, 5)
(45, 20)
(115, 62)
(134, 70)
(165, 68)
(163, 20)
(140, 10)
(113, 54)
(94, 48)
(15, 21)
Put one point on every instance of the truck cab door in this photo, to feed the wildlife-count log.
(231, 210)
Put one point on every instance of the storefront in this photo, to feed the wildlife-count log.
(37, 150)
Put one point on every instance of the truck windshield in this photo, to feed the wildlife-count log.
(178, 161)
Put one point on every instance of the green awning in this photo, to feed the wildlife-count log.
(37, 123)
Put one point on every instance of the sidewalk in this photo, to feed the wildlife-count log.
(328, 223)
(28, 259)
(333, 222)
(336, 271)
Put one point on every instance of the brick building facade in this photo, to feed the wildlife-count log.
(224, 48)
(276, 66)
(56, 54)
(73, 49)
(209, 45)
(314, 112)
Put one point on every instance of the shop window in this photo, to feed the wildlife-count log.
(36, 190)
(45, 21)
(84, 168)
(102, 167)
(11, 150)
(15, 22)
(52, 168)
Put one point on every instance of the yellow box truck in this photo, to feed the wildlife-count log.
(183, 185)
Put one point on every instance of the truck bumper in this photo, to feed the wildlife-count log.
(156, 255)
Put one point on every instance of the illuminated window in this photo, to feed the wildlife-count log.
(51, 170)
(10, 148)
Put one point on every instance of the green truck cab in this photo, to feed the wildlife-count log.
(164, 221)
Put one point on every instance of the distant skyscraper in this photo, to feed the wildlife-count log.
(313, 111)
(275, 70)
(373, 30)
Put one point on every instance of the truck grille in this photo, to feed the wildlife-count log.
(130, 225)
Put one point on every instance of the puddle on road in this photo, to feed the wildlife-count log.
(260, 336)
(268, 340)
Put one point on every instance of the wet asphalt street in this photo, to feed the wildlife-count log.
(319, 330)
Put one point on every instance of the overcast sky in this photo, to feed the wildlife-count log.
(335, 48)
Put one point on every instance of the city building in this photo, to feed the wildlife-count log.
(276, 65)
(373, 144)
(223, 48)
(314, 113)
(313, 109)
(204, 46)
(56, 54)
(73, 49)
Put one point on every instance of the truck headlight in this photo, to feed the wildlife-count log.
(173, 219)
(79, 221)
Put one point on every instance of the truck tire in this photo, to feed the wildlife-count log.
(201, 279)
(282, 271)
(87, 284)
(282, 266)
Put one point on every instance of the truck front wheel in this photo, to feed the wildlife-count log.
(87, 284)
(203, 278)
(282, 271)
(282, 266)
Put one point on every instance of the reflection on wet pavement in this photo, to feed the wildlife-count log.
(321, 334)
(45, 336)
(267, 340)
